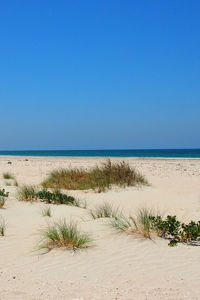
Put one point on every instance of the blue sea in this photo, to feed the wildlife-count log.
(184, 153)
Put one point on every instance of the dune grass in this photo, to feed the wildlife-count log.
(98, 178)
(141, 224)
(63, 234)
(2, 226)
(27, 193)
(105, 210)
(2, 201)
(46, 211)
(8, 175)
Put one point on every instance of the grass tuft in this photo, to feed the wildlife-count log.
(98, 178)
(2, 226)
(105, 210)
(2, 201)
(141, 224)
(46, 211)
(27, 193)
(8, 175)
(65, 235)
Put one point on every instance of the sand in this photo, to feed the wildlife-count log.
(117, 266)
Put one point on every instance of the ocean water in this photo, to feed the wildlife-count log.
(185, 153)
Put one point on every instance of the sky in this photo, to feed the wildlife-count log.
(99, 74)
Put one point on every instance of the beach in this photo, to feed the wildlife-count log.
(116, 266)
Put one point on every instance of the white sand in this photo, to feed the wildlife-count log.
(118, 266)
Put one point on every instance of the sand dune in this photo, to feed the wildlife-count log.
(117, 266)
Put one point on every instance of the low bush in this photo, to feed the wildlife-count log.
(65, 235)
(3, 193)
(56, 197)
(3, 196)
(176, 231)
(98, 178)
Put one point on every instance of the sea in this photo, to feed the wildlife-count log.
(173, 153)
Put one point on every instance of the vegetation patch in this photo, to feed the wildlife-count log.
(141, 224)
(55, 197)
(3, 196)
(62, 234)
(105, 210)
(2, 226)
(145, 223)
(46, 211)
(98, 178)
(27, 193)
(8, 175)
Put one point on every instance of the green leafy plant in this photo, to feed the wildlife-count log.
(3, 196)
(174, 230)
(62, 234)
(3, 193)
(55, 197)
(98, 178)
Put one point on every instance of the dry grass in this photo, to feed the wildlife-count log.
(2, 201)
(27, 193)
(98, 178)
(61, 234)
(8, 175)
(141, 224)
(2, 226)
(105, 210)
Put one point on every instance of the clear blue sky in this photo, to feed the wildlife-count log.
(88, 74)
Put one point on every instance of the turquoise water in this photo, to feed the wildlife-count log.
(190, 153)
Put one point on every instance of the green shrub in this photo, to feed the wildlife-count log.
(65, 235)
(98, 178)
(56, 197)
(3, 193)
(3, 196)
(176, 231)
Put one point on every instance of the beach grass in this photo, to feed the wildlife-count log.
(140, 224)
(2, 226)
(27, 193)
(46, 211)
(8, 175)
(105, 210)
(98, 178)
(63, 234)
(2, 201)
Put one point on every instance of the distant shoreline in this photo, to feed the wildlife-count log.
(143, 153)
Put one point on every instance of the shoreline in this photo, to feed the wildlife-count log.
(100, 157)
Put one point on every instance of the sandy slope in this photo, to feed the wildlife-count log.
(117, 266)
